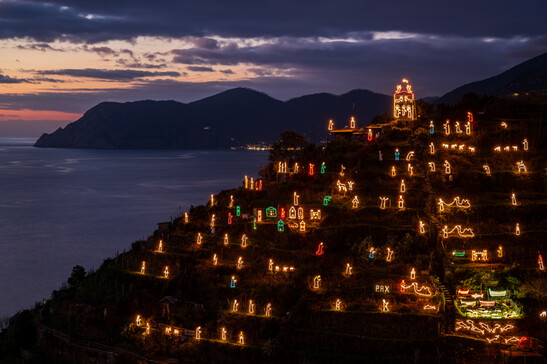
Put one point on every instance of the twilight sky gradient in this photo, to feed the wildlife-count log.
(58, 58)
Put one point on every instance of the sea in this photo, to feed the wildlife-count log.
(65, 207)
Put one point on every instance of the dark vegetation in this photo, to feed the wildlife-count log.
(101, 306)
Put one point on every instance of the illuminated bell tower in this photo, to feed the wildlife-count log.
(404, 105)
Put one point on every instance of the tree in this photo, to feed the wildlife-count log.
(535, 288)
(289, 147)
(77, 276)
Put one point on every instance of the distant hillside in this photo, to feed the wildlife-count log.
(527, 76)
(232, 118)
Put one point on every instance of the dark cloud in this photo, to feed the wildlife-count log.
(8, 79)
(200, 69)
(227, 72)
(40, 47)
(112, 75)
(206, 43)
(93, 21)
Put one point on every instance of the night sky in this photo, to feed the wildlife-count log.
(59, 58)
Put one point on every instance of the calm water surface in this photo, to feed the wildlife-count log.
(62, 207)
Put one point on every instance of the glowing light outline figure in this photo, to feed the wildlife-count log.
(352, 123)
(238, 211)
(431, 148)
(230, 218)
(138, 320)
(500, 251)
(295, 198)
(215, 259)
(300, 213)
(401, 203)
(349, 270)
(371, 253)
(393, 171)
(323, 168)
(525, 144)
(212, 200)
(331, 125)
(447, 168)
(459, 203)
(540, 263)
(458, 254)
(251, 307)
(233, 282)
(292, 213)
(342, 168)
(296, 167)
(410, 170)
(404, 106)
(409, 155)
(355, 202)
(383, 201)
(319, 250)
(431, 127)
(239, 264)
(280, 226)
(430, 307)
(186, 218)
(223, 334)
(413, 274)
(446, 127)
(244, 240)
(302, 226)
(514, 200)
(458, 129)
(402, 188)
(521, 167)
(147, 328)
(397, 154)
(350, 185)
(311, 169)
(241, 338)
(143, 267)
(486, 169)
(315, 214)
(479, 255)
(198, 333)
(338, 305)
(385, 305)
(389, 256)
(317, 282)
(468, 128)
(369, 135)
(212, 221)
(166, 272)
(246, 183)
(235, 305)
(465, 233)
(226, 240)
(431, 166)
(326, 200)
(417, 289)
(517, 229)
(160, 246)
(422, 227)
(270, 265)
(259, 215)
(268, 309)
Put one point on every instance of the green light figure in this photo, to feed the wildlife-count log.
(323, 168)
(238, 211)
(280, 226)
(254, 223)
(326, 200)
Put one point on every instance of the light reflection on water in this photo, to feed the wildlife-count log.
(62, 207)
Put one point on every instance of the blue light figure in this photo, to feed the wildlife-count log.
(431, 127)
(397, 154)
(323, 168)
(233, 282)
(371, 253)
